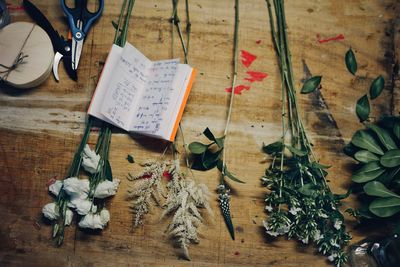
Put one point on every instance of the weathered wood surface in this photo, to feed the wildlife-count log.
(40, 128)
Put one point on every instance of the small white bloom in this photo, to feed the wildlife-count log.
(294, 210)
(332, 257)
(334, 243)
(317, 235)
(68, 217)
(323, 215)
(269, 208)
(266, 226)
(337, 224)
(304, 240)
(104, 216)
(272, 233)
(284, 229)
(94, 221)
(82, 206)
(76, 187)
(55, 187)
(90, 160)
(106, 188)
(220, 187)
(50, 212)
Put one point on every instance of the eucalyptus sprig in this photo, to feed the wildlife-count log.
(300, 203)
(208, 156)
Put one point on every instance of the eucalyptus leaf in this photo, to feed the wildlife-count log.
(296, 151)
(365, 156)
(311, 84)
(391, 158)
(364, 139)
(108, 171)
(197, 148)
(385, 207)
(219, 141)
(362, 108)
(396, 129)
(384, 136)
(368, 172)
(273, 148)
(376, 87)
(210, 159)
(351, 62)
(377, 189)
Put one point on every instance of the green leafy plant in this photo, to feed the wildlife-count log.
(208, 156)
(299, 203)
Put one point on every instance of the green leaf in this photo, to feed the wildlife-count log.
(210, 159)
(227, 173)
(385, 207)
(115, 25)
(343, 196)
(320, 166)
(108, 171)
(365, 156)
(384, 136)
(351, 62)
(350, 149)
(130, 159)
(364, 139)
(377, 189)
(367, 172)
(362, 108)
(376, 87)
(396, 129)
(308, 189)
(296, 151)
(311, 84)
(219, 141)
(273, 148)
(391, 158)
(197, 148)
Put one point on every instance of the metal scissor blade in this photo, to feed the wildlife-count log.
(77, 47)
(67, 64)
(56, 62)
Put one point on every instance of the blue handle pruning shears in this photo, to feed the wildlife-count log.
(80, 19)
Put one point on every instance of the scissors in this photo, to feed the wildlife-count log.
(80, 19)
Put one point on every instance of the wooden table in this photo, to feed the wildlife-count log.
(41, 128)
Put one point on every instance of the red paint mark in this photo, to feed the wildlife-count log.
(340, 37)
(238, 89)
(51, 181)
(258, 42)
(247, 58)
(237, 253)
(167, 176)
(255, 76)
(12, 8)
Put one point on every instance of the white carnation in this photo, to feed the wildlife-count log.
(50, 212)
(55, 187)
(75, 187)
(90, 160)
(106, 188)
(68, 217)
(95, 221)
(82, 206)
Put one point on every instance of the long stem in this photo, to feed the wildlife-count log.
(235, 69)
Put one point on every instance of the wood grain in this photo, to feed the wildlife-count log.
(40, 128)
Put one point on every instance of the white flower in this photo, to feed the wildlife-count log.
(269, 208)
(75, 187)
(332, 257)
(272, 233)
(294, 210)
(106, 188)
(304, 240)
(82, 206)
(95, 221)
(55, 187)
(68, 217)
(337, 224)
(50, 212)
(317, 235)
(334, 243)
(90, 160)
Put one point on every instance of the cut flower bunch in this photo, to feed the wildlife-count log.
(87, 196)
(300, 203)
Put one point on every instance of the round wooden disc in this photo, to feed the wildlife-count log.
(36, 44)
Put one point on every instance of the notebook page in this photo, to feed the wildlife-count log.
(156, 98)
(182, 80)
(127, 83)
(101, 89)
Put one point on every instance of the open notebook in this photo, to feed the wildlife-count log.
(140, 95)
